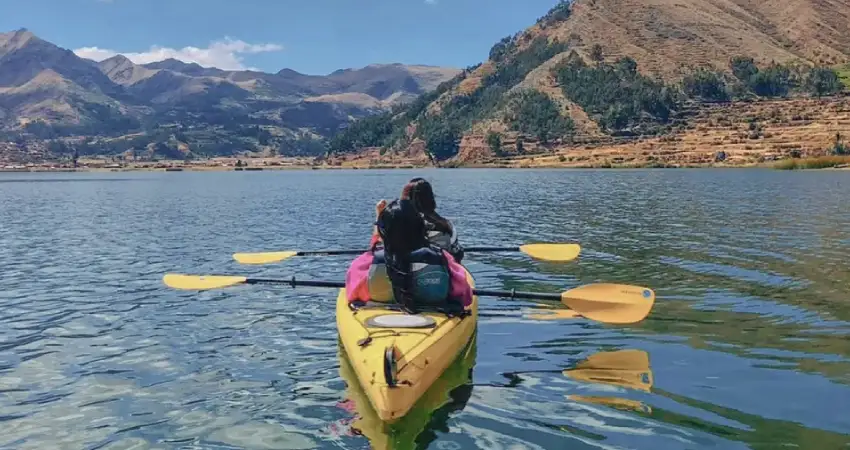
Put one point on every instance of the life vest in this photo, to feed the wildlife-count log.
(437, 280)
(445, 241)
(430, 278)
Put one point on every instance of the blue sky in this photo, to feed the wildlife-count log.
(310, 36)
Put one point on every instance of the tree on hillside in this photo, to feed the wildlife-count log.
(617, 94)
(441, 139)
(510, 72)
(774, 81)
(371, 131)
(822, 81)
(560, 12)
(502, 48)
(743, 68)
(705, 84)
(494, 141)
(533, 112)
(627, 66)
(840, 148)
(597, 54)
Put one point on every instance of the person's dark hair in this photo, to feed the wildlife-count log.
(402, 231)
(420, 193)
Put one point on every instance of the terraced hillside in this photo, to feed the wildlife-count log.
(592, 70)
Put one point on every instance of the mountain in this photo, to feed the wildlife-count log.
(47, 93)
(595, 70)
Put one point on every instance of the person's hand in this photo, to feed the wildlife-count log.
(379, 208)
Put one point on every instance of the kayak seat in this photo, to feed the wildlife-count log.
(448, 312)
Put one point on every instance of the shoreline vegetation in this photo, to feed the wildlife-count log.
(223, 164)
(793, 133)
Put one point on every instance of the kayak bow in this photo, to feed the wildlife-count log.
(396, 357)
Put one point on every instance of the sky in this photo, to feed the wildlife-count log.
(309, 36)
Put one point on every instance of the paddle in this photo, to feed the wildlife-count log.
(546, 252)
(602, 302)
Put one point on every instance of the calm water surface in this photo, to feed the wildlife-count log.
(747, 346)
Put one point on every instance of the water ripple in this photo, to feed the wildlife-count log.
(745, 348)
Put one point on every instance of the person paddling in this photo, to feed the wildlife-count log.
(440, 230)
(408, 270)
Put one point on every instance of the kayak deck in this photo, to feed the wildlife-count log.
(420, 354)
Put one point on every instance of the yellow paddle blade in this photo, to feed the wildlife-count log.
(552, 252)
(262, 258)
(194, 283)
(618, 403)
(611, 303)
(626, 368)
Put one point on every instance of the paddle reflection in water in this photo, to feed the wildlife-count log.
(628, 369)
(417, 429)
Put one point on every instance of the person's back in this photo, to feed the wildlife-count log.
(440, 231)
(407, 270)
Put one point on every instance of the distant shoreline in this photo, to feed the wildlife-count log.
(302, 167)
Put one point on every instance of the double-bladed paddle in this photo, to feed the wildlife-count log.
(542, 251)
(602, 302)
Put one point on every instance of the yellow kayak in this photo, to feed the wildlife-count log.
(396, 357)
(432, 409)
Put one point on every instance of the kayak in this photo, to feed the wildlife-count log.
(396, 357)
(450, 392)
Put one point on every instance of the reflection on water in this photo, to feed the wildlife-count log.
(417, 429)
(748, 340)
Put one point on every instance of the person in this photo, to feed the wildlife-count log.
(440, 230)
(408, 269)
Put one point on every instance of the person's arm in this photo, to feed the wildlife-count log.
(455, 248)
(374, 242)
(379, 208)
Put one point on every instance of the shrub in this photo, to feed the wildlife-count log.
(823, 81)
(705, 84)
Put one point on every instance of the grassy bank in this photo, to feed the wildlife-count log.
(822, 162)
(844, 75)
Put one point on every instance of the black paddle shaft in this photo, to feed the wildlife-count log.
(357, 252)
(293, 282)
(339, 284)
(515, 294)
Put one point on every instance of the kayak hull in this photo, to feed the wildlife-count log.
(446, 394)
(418, 356)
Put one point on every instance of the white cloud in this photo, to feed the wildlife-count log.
(431, 2)
(224, 54)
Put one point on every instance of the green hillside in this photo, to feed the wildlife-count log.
(522, 88)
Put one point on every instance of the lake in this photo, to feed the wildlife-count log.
(747, 346)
